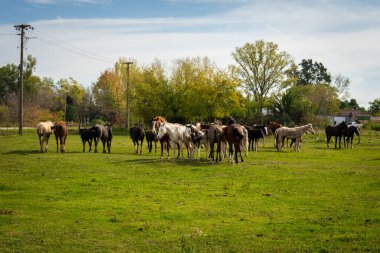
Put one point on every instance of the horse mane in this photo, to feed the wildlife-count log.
(159, 118)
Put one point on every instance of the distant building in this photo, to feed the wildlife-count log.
(355, 115)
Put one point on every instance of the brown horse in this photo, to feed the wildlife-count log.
(60, 132)
(215, 135)
(273, 126)
(234, 134)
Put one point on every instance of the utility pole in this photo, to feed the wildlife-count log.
(22, 29)
(128, 112)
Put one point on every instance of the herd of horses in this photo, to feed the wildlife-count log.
(214, 137)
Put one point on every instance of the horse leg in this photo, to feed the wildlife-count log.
(47, 142)
(230, 151)
(238, 150)
(109, 146)
(104, 146)
(162, 148)
(167, 149)
(141, 145)
(41, 143)
(62, 149)
(90, 145)
(96, 145)
(56, 140)
(328, 140)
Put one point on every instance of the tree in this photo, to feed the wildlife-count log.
(323, 98)
(8, 81)
(293, 106)
(70, 93)
(312, 73)
(261, 66)
(374, 107)
(341, 84)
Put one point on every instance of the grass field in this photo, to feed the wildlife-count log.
(318, 200)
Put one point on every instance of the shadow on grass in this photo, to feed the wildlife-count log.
(176, 161)
(22, 152)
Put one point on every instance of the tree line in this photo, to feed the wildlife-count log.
(263, 79)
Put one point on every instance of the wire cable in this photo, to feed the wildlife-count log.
(66, 46)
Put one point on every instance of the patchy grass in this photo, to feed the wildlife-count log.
(318, 200)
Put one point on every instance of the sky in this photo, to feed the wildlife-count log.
(82, 38)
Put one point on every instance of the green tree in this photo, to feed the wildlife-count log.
(262, 68)
(71, 94)
(8, 81)
(312, 73)
(293, 106)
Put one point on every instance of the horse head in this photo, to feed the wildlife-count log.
(311, 129)
(156, 121)
(161, 130)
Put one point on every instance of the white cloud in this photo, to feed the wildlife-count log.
(343, 38)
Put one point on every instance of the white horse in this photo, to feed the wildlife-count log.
(44, 130)
(178, 134)
(292, 133)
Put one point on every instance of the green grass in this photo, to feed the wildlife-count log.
(318, 200)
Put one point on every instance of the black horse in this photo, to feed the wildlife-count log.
(150, 138)
(103, 133)
(348, 136)
(137, 134)
(336, 131)
(86, 135)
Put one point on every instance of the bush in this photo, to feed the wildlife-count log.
(372, 126)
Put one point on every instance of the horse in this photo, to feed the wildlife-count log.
(348, 136)
(44, 130)
(254, 135)
(215, 136)
(150, 138)
(292, 133)
(199, 138)
(234, 134)
(336, 131)
(137, 135)
(273, 126)
(60, 131)
(103, 133)
(165, 140)
(264, 129)
(177, 133)
(87, 135)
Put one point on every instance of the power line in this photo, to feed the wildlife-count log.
(73, 49)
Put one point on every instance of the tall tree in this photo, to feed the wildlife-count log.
(71, 94)
(312, 73)
(262, 68)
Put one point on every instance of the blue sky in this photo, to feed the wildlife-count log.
(81, 38)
